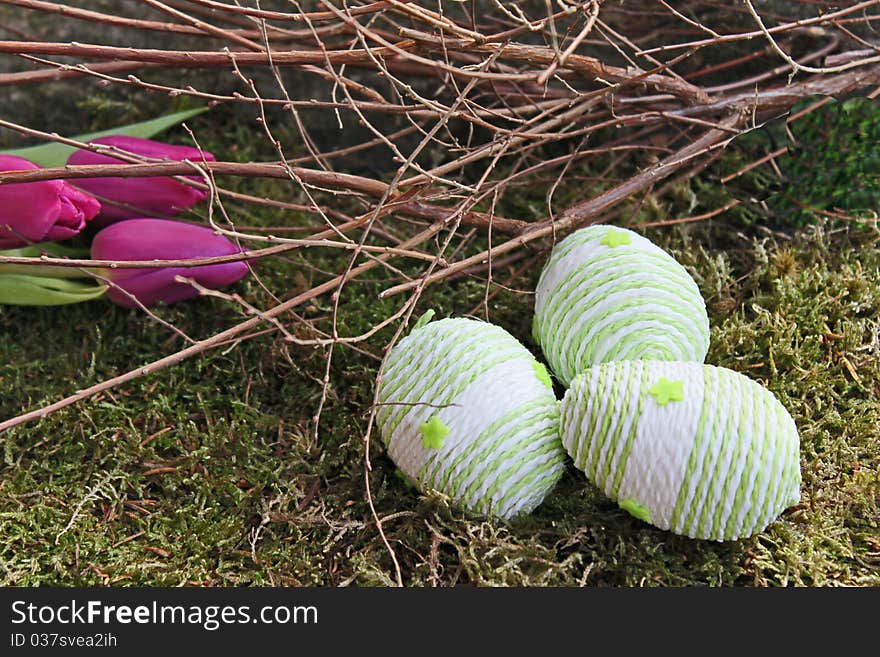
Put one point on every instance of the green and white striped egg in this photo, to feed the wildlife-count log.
(696, 449)
(466, 410)
(609, 294)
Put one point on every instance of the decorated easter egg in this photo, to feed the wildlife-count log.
(700, 450)
(466, 410)
(609, 294)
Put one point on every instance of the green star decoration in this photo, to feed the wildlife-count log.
(433, 432)
(615, 238)
(666, 391)
(542, 374)
(426, 317)
(635, 509)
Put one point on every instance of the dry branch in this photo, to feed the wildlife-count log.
(324, 179)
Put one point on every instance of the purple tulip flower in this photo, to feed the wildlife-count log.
(40, 211)
(161, 239)
(126, 198)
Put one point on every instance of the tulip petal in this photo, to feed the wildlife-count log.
(127, 198)
(39, 211)
(159, 239)
(154, 286)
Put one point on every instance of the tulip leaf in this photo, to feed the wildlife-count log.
(55, 249)
(23, 290)
(55, 154)
(52, 249)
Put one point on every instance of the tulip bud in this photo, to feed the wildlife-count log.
(160, 239)
(40, 211)
(126, 198)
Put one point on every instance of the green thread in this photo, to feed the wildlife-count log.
(733, 440)
(583, 237)
(452, 382)
(482, 450)
(409, 357)
(412, 356)
(693, 470)
(630, 439)
(727, 426)
(621, 372)
(760, 479)
(749, 474)
(539, 480)
(577, 324)
(601, 434)
(637, 269)
(522, 449)
(512, 464)
(585, 447)
(606, 440)
(701, 504)
(580, 348)
(451, 386)
(743, 467)
(570, 419)
(445, 474)
(479, 463)
(635, 273)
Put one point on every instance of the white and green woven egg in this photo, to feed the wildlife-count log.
(696, 449)
(466, 410)
(609, 294)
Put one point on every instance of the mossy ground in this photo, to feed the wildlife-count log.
(208, 472)
(212, 473)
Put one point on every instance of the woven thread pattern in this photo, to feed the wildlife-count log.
(721, 463)
(600, 300)
(502, 453)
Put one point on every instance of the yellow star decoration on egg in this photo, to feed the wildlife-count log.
(665, 391)
(433, 432)
(615, 238)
